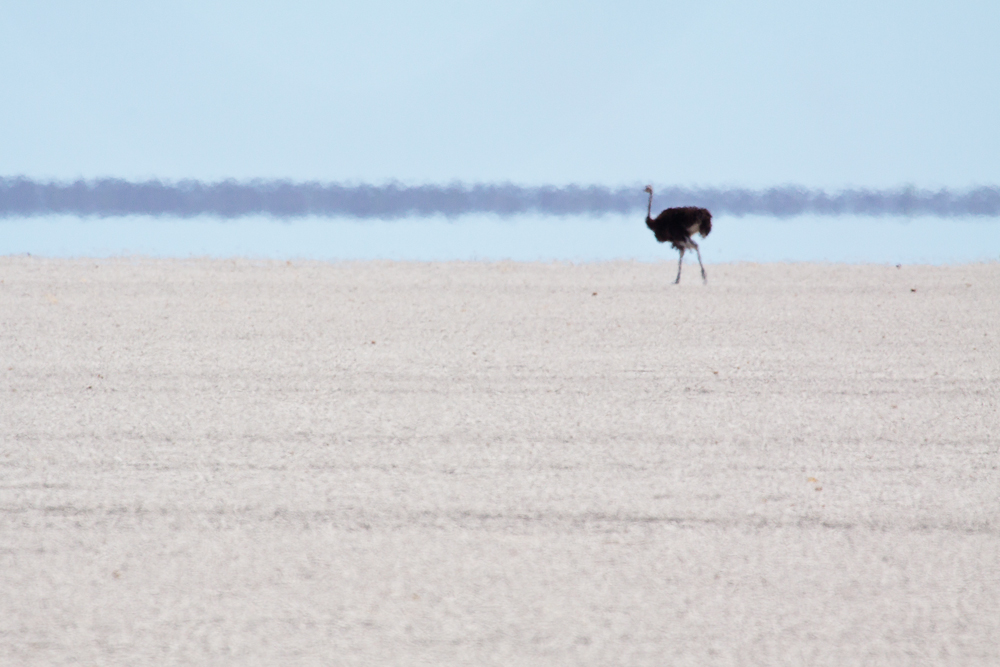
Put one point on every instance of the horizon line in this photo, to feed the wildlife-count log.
(281, 198)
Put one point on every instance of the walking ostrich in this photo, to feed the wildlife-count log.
(678, 225)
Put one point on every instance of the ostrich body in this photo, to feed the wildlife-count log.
(678, 225)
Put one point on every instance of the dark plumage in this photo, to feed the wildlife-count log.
(678, 225)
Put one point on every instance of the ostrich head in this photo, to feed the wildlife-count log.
(649, 189)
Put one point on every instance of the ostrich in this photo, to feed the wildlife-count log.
(678, 225)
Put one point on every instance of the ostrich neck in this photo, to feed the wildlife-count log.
(649, 209)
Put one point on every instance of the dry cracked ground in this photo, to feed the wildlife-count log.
(262, 463)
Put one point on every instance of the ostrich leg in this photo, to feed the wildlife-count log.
(704, 278)
(680, 263)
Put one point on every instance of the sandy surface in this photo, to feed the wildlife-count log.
(246, 463)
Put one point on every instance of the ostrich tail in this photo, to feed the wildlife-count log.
(705, 226)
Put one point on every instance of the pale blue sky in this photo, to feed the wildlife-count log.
(689, 93)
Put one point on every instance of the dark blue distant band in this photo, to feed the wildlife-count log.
(21, 196)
